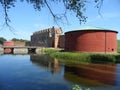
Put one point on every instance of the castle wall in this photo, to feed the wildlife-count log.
(61, 42)
(46, 38)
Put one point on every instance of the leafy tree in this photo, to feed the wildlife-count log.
(76, 6)
(21, 40)
(14, 39)
(2, 40)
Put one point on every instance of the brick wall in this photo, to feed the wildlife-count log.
(46, 38)
(18, 43)
(8, 43)
(61, 41)
(91, 41)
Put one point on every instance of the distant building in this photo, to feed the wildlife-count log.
(46, 38)
(8, 43)
(19, 43)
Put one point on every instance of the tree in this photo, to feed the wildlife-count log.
(76, 6)
(2, 40)
(21, 40)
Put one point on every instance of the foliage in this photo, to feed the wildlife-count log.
(118, 45)
(49, 50)
(77, 87)
(76, 6)
(82, 57)
(103, 58)
(21, 40)
(2, 40)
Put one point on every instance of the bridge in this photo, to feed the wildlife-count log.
(20, 49)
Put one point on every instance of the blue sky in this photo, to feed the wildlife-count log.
(25, 20)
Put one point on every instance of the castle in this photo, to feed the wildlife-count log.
(50, 37)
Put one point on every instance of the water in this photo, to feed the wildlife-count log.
(40, 72)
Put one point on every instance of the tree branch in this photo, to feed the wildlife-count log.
(57, 17)
(50, 9)
(7, 20)
(6, 17)
(99, 5)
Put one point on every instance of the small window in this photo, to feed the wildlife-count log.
(112, 49)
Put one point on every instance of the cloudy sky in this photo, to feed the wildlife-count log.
(25, 20)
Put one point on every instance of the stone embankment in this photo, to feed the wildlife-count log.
(1, 50)
(21, 50)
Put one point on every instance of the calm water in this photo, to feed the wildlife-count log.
(40, 72)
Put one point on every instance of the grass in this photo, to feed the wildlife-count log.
(82, 57)
(118, 45)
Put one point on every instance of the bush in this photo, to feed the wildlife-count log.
(49, 50)
(81, 57)
(77, 87)
(102, 58)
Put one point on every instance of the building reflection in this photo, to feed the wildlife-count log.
(82, 74)
(91, 74)
(46, 62)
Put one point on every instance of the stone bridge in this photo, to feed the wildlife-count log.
(20, 49)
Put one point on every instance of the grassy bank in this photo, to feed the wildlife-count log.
(82, 57)
(118, 46)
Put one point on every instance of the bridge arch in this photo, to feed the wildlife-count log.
(8, 50)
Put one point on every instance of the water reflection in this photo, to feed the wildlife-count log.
(92, 74)
(46, 62)
(41, 72)
(18, 72)
(82, 74)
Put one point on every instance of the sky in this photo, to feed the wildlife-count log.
(25, 20)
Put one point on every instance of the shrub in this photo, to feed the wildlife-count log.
(82, 57)
(77, 87)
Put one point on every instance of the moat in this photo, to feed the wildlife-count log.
(41, 72)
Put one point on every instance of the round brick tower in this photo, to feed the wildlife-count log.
(91, 40)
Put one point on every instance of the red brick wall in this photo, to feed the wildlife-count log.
(61, 43)
(18, 43)
(91, 41)
(111, 42)
(8, 43)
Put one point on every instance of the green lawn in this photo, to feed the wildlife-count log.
(118, 46)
